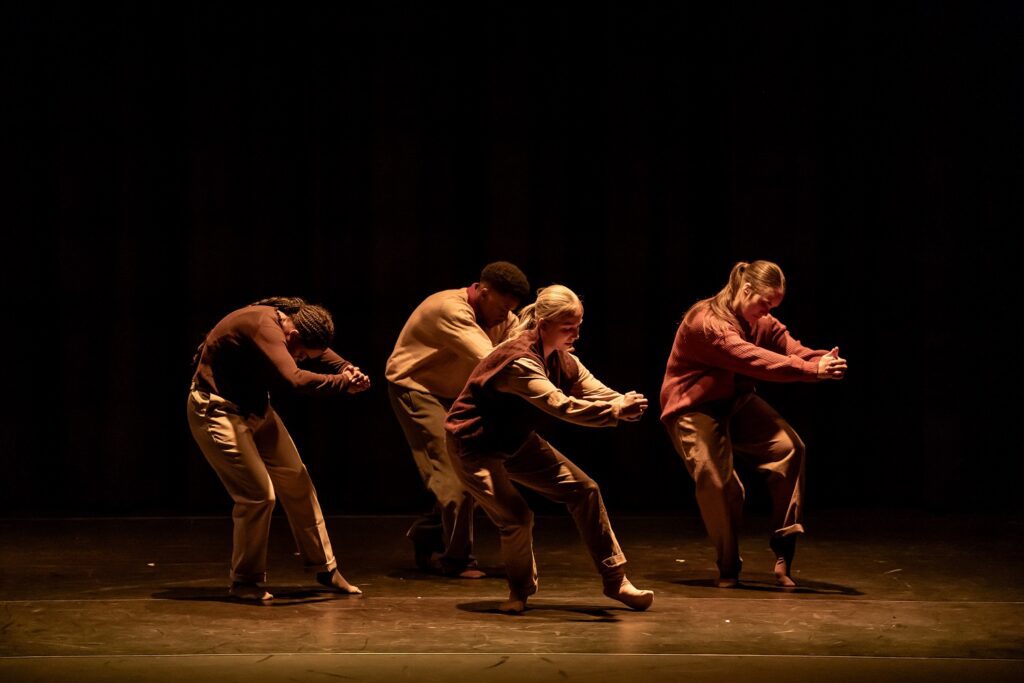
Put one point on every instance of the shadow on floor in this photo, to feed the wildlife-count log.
(283, 597)
(805, 587)
(546, 610)
(414, 574)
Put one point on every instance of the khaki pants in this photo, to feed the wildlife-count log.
(540, 467)
(706, 440)
(422, 416)
(257, 462)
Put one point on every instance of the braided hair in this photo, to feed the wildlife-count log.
(313, 323)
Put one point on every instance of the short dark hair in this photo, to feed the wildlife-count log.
(506, 278)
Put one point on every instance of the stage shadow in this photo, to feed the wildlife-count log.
(547, 610)
(804, 588)
(415, 574)
(283, 597)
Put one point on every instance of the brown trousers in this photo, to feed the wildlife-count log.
(706, 440)
(422, 416)
(539, 466)
(257, 462)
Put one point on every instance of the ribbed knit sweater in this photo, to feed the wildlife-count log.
(707, 366)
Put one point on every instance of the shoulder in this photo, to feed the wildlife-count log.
(526, 365)
(446, 297)
(250, 318)
(700, 325)
(448, 305)
(453, 302)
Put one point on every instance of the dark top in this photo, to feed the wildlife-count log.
(245, 357)
(487, 419)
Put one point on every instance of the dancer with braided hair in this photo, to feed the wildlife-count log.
(250, 353)
(493, 442)
(725, 343)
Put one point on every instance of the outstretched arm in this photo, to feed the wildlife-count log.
(270, 341)
(629, 406)
(526, 378)
(732, 352)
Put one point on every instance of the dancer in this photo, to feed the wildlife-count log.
(253, 351)
(711, 410)
(492, 440)
(440, 344)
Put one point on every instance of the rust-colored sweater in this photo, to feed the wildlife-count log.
(707, 366)
(245, 357)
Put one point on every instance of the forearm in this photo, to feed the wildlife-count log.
(531, 385)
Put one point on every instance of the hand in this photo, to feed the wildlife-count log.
(831, 366)
(357, 380)
(632, 407)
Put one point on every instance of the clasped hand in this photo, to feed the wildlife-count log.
(357, 380)
(831, 366)
(632, 407)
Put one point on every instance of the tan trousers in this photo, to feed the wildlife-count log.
(257, 462)
(706, 440)
(540, 467)
(422, 416)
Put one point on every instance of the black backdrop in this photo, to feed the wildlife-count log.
(169, 162)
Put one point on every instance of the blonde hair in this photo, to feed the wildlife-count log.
(763, 276)
(554, 302)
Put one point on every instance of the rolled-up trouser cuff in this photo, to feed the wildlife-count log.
(327, 567)
(614, 560)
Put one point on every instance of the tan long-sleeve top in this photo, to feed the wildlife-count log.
(441, 343)
(516, 389)
(596, 406)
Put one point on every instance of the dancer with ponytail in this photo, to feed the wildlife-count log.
(492, 439)
(711, 410)
(252, 352)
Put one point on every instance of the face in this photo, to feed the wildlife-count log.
(559, 335)
(301, 352)
(293, 340)
(752, 305)
(494, 306)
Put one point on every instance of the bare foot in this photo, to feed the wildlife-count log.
(728, 582)
(250, 592)
(334, 579)
(629, 595)
(516, 604)
(464, 572)
(471, 573)
(782, 577)
(784, 548)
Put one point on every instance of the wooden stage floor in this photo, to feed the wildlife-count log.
(901, 596)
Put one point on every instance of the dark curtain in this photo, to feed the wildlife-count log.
(169, 162)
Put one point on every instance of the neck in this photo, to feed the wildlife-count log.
(473, 296)
(545, 349)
